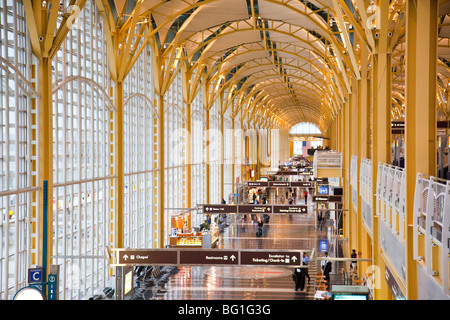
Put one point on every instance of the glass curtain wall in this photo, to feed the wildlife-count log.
(83, 162)
(227, 157)
(198, 156)
(141, 161)
(18, 152)
(214, 146)
(83, 117)
(174, 148)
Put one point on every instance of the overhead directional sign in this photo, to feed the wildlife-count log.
(308, 184)
(209, 257)
(219, 208)
(290, 209)
(257, 183)
(253, 208)
(147, 257)
(327, 198)
(280, 184)
(274, 258)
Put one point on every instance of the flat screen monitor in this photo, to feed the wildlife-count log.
(323, 189)
(337, 191)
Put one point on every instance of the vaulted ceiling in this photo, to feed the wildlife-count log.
(291, 58)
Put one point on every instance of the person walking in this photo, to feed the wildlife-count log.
(327, 268)
(320, 220)
(353, 264)
(305, 261)
(306, 197)
(299, 279)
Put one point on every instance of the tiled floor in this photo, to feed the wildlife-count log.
(248, 283)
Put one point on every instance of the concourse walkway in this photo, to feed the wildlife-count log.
(250, 283)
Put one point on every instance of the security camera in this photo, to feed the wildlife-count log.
(390, 34)
(377, 35)
(41, 38)
(434, 273)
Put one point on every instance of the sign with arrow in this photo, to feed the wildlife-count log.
(147, 257)
(209, 257)
(290, 209)
(218, 208)
(202, 257)
(250, 208)
(277, 258)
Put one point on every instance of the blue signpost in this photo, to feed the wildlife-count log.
(52, 286)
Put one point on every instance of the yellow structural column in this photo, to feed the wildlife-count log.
(222, 156)
(381, 133)
(119, 165)
(233, 155)
(46, 37)
(161, 171)
(363, 128)
(46, 152)
(188, 158)
(420, 115)
(208, 155)
(346, 153)
(354, 134)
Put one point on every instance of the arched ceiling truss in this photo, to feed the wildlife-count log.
(289, 59)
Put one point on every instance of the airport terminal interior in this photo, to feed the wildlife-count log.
(224, 149)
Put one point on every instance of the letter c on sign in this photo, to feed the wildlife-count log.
(35, 276)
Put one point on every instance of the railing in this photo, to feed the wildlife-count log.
(326, 159)
(366, 193)
(391, 188)
(432, 228)
(390, 206)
